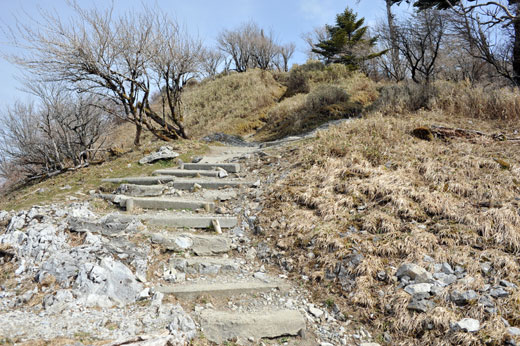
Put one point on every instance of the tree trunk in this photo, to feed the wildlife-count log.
(169, 130)
(394, 51)
(516, 48)
(138, 131)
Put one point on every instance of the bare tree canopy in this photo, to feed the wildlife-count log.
(318, 34)
(492, 29)
(420, 42)
(249, 46)
(211, 60)
(286, 52)
(392, 62)
(118, 58)
(65, 130)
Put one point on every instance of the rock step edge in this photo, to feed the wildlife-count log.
(220, 326)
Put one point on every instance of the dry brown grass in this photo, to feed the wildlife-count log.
(405, 198)
(333, 93)
(455, 99)
(232, 104)
(271, 105)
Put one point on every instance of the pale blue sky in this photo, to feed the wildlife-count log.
(288, 19)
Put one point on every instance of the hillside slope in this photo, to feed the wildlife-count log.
(270, 105)
(358, 206)
(405, 220)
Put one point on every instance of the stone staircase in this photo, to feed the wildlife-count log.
(229, 293)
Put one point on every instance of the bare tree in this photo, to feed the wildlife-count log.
(211, 60)
(65, 130)
(22, 145)
(458, 56)
(72, 123)
(237, 44)
(420, 42)
(249, 46)
(175, 60)
(263, 49)
(318, 34)
(490, 34)
(485, 24)
(285, 53)
(391, 63)
(120, 59)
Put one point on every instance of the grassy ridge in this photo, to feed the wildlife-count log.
(273, 105)
(232, 104)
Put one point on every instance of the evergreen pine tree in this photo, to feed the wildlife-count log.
(347, 41)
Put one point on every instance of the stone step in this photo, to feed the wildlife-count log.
(186, 173)
(221, 326)
(176, 183)
(159, 203)
(131, 190)
(213, 289)
(199, 244)
(207, 184)
(228, 167)
(141, 190)
(204, 265)
(183, 221)
(141, 180)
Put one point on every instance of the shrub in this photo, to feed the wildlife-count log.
(310, 65)
(406, 97)
(463, 98)
(326, 95)
(303, 78)
(297, 83)
(478, 101)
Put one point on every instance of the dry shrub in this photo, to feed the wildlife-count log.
(370, 187)
(405, 97)
(477, 101)
(335, 93)
(325, 95)
(303, 78)
(460, 99)
(297, 83)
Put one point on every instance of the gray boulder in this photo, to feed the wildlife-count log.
(422, 290)
(463, 298)
(469, 325)
(107, 283)
(420, 305)
(414, 272)
(59, 301)
(444, 279)
(182, 327)
(498, 292)
(164, 153)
